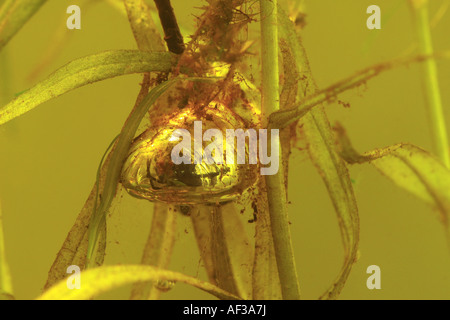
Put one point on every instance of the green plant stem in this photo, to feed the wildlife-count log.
(6, 290)
(276, 190)
(431, 83)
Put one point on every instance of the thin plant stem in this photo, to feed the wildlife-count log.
(276, 189)
(6, 289)
(172, 32)
(431, 82)
(283, 118)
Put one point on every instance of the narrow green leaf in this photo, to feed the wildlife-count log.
(283, 118)
(223, 271)
(240, 249)
(118, 156)
(288, 98)
(202, 223)
(102, 279)
(265, 279)
(158, 248)
(75, 246)
(430, 79)
(211, 241)
(224, 247)
(13, 16)
(409, 167)
(84, 71)
(101, 248)
(74, 249)
(6, 289)
(323, 153)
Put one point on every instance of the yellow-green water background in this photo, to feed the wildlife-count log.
(49, 157)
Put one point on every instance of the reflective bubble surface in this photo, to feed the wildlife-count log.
(150, 172)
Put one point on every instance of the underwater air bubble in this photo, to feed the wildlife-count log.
(150, 172)
(164, 285)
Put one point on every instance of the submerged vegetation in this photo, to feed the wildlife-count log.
(264, 82)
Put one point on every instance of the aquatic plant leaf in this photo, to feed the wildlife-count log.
(335, 174)
(240, 249)
(409, 167)
(288, 98)
(224, 247)
(275, 184)
(224, 275)
(118, 156)
(323, 153)
(209, 233)
(6, 289)
(202, 223)
(265, 279)
(84, 71)
(430, 82)
(105, 278)
(295, 111)
(13, 16)
(158, 248)
(74, 249)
